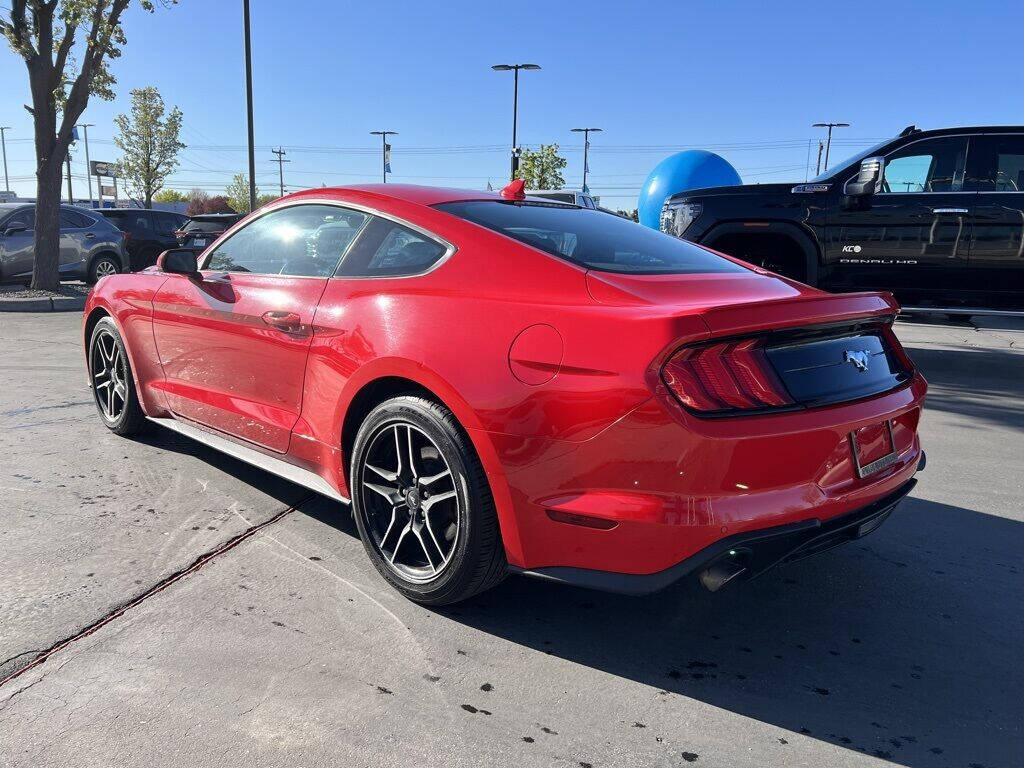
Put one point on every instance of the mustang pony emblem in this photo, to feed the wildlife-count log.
(859, 358)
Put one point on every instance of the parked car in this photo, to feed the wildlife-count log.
(90, 246)
(147, 233)
(497, 383)
(582, 199)
(202, 229)
(935, 216)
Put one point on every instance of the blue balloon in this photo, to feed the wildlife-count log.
(692, 169)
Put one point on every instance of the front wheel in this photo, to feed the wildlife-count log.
(113, 386)
(422, 503)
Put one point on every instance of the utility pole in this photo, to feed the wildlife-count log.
(88, 168)
(280, 166)
(821, 148)
(3, 144)
(385, 149)
(514, 68)
(586, 151)
(828, 142)
(248, 103)
(71, 196)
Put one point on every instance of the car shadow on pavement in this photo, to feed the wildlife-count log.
(288, 494)
(977, 383)
(903, 646)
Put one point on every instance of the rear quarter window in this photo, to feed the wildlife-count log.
(591, 239)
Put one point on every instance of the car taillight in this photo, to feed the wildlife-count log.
(727, 376)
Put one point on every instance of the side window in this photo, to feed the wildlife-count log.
(933, 165)
(167, 223)
(997, 163)
(302, 240)
(73, 220)
(388, 249)
(26, 216)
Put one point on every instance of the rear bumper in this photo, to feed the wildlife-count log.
(743, 555)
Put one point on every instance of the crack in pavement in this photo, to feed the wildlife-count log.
(161, 585)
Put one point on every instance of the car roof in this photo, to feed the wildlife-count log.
(410, 193)
(212, 216)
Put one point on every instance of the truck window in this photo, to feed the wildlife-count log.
(933, 165)
(1001, 163)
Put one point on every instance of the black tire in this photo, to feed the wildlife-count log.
(116, 399)
(101, 265)
(476, 554)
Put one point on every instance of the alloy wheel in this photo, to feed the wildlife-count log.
(109, 376)
(409, 501)
(105, 267)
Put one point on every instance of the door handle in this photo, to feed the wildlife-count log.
(284, 321)
(949, 210)
(90, 235)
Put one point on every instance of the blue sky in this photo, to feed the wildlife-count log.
(745, 79)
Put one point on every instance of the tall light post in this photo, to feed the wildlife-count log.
(828, 141)
(514, 68)
(248, 104)
(3, 144)
(586, 152)
(384, 149)
(88, 168)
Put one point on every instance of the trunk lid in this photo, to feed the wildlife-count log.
(824, 348)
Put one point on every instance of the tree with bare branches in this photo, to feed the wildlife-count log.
(66, 45)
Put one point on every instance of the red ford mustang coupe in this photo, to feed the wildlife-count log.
(497, 383)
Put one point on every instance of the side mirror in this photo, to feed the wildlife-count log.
(871, 169)
(15, 228)
(178, 261)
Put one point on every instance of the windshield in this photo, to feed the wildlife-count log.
(592, 239)
(852, 160)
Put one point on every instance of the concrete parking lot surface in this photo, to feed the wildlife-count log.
(289, 650)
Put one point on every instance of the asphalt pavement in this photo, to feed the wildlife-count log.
(206, 613)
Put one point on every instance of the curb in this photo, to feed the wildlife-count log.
(54, 304)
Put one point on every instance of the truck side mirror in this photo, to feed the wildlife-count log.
(15, 228)
(871, 169)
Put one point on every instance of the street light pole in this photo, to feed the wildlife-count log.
(280, 165)
(248, 102)
(384, 150)
(88, 168)
(828, 141)
(586, 152)
(514, 68)
(3, 144)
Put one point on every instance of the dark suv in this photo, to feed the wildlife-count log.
(147, 233)
(202, 229)
(937, 217)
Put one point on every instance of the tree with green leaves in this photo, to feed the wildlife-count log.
(542, 169)
(238, 193)
(149, 144)
(170, 196)
(66, 45)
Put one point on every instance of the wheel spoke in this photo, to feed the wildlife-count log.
(110, 402)
(401, 537)
(426, 524)
(389, 493)
(412, 464)
(419, 538)
(394, 516)
(104, 384)
(386, 474)
(431, 501)
(434, 478)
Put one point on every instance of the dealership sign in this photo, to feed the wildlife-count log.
(100, 168)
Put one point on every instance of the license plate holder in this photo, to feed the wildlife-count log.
(864, 445)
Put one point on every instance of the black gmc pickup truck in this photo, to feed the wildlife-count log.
(937, 217)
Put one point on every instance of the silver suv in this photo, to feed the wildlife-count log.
(90, 246)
